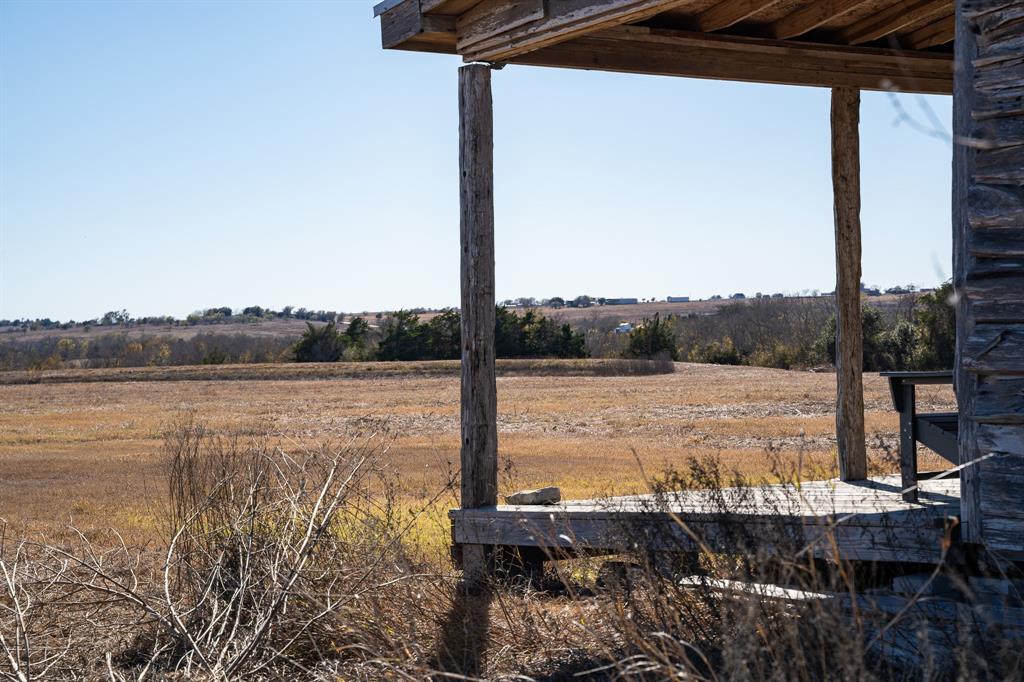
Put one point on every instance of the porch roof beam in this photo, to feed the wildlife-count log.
(485, 33)
(633, 49)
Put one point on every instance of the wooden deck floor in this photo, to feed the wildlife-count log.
(859, 520)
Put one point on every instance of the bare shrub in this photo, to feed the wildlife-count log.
(275, 563)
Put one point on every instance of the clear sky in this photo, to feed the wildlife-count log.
(168, 156)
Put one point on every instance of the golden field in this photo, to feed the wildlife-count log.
(88, 453)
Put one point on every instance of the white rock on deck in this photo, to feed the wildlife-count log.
(549, 495)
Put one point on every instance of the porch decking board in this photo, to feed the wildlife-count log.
(857, 520)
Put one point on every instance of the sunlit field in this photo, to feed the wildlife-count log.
(88, 454)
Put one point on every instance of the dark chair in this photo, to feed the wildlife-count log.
(935, 430)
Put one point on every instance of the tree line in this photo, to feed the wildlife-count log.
(917, 334)
(403, 336)
(399, 336)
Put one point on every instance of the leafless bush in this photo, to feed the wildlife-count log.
(275, 563)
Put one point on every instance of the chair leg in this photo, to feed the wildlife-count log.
(908, 445)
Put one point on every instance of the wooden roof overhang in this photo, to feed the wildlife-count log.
(901, 45)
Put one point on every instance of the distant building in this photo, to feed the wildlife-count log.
(621, 301)
(678, 299)
(778, 296)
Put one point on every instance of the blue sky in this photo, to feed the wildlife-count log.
(169, 156)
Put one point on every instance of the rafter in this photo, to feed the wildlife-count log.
(891, 19)
(812, 16)
(936, 33)
(730, 12)
(484, 40)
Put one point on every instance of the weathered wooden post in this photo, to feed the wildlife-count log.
(965, 382)
(849, 339)
(479, 454)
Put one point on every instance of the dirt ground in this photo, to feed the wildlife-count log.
(89, 453)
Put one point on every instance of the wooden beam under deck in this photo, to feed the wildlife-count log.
(858, 521)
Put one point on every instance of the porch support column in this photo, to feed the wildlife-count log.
(479, 456)
(849, 334)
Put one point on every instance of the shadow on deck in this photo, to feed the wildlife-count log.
(856, 521)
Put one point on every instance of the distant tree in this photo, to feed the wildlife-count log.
(443, 336)
(508, 334)
(402, 337)
(900, 345)
(215, 357)
(253, 311)
(569, 343)
(556, 302)
(320, 344)
(874, 339)
(357, 331)
(652, 338)
(935, 327)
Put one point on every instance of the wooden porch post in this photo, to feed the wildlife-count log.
(479, 456)
(849, 335)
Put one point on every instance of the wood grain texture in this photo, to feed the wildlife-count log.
(725, 14)
(988, 223)
(563, 20)
(939, 32)
(812, 16)
(635, 49)
(891, 20)
(849, 336)
(493, 17)
(866, 520)
(404, 22)
(479, 455)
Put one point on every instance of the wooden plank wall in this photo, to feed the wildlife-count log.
(988, 233)
(849, 337)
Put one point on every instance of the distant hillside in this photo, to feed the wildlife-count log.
(273, 328)
(292, 328)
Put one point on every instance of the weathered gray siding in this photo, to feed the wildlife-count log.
(988, 231)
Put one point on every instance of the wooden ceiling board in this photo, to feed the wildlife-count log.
(937, 32)
(686, 11)
(927, 21)
(859, 12)
(450, 8)
(780, 9)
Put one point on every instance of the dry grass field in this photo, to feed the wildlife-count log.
(89, 453)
